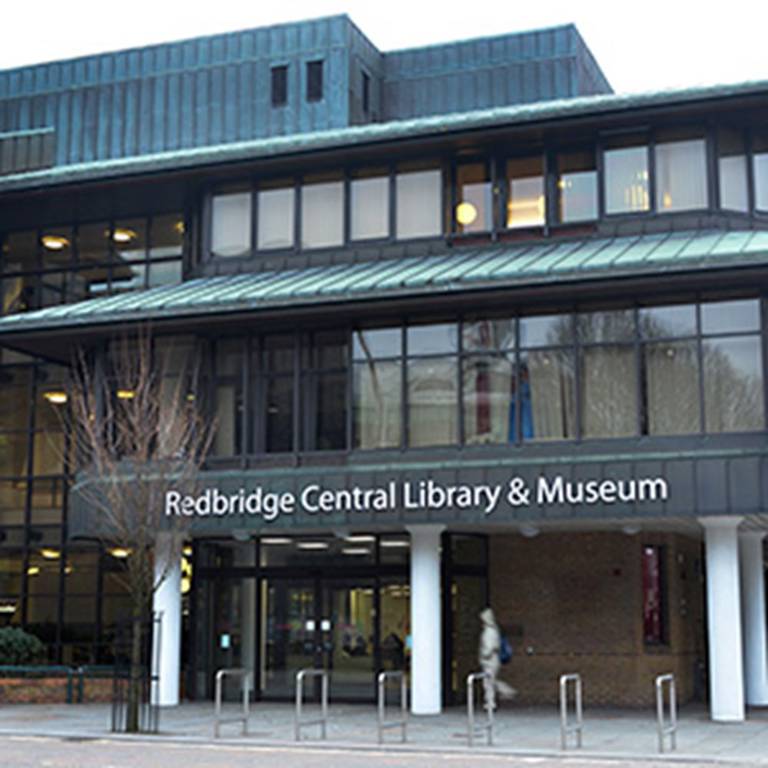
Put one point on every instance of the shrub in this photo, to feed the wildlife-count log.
(17, 647)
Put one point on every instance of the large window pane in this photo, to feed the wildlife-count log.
(474, 198)
(610, 325)
(418, 203)
(276, 212)
(19, 294)
(93, 243)
(228, 399)
(525, 192)
(733, 384)
(681, 175)
(760, 170)
(19, 252)
(325, 392)
(279, 416)
(167, 236)
(489, 382)
(668, 322)
(671, 380)
(609, 391)
(432, 339)
(322, 214)
(545, 407)
(379, 342)
(377, 403)
(13, 499)
(732, 170)
(432, 401)
(577, 187)
(626, 179)
(490, 334)
(546, 330)
(231, 224)
(369, 206)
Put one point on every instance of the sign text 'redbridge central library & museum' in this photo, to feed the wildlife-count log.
(422, 495)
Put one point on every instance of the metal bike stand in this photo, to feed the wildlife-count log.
(245, 676)
(577, 724)
(322, 721)
(486, 727)
(666, 727)
(402, 723)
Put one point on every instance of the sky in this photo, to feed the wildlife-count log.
(641, 46)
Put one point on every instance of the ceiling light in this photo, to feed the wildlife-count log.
(33, 570)
(123, 235)
(55, 242)
(179, 227)
(360, 538)
(187, 551)
(317, 545)
(356, 551)
(395, 543)
(119, 552)
(50, 554)
(466, 213)
(55, 397)
(7, 608)
(125, 394)
(274, 541)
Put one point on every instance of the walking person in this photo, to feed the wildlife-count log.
(489, 656)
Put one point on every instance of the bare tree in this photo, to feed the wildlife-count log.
(137, 432)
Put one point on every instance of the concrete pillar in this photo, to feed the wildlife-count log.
(167, 603)
(426, 620)
(726, 669)
(753, 612)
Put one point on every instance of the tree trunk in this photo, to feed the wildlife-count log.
(132, 724)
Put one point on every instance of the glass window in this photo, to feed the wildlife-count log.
(93, 243)
(760, 170)
(228, 398)
(544, 403)
(419, 196)
(129, 240)
(278, 359)
(738, 316)
(11, 564)
(474, 198)
(231, 224)
(733, 384)
(546, 330)
(276, 212)
(19, 294)
(314, 80)
(490, 334)
(610, 325)
(13, 496)
(488, 391)
(164, 273)
(577, 187)
(432, 384)
(668, 322)
(167, 236)
(732, 170)
(671, 388)
(279, 86)
(20, 252)
(626, 179)
(377, 388)
(525, 200)
(369, 205)
(322, 214)
(608, 391)
(57, 247)
(15, 400)
(325, 383)
(681, 175)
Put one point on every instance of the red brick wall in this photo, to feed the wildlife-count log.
(51, 690)
(572, 602)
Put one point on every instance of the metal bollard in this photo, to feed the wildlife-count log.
(486, 727)
(577, 725)
(245, 675)
(666, 728)
(322, 721)
(402, 723)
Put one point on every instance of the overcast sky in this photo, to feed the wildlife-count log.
(641, 46)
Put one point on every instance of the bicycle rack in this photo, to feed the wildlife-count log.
(402, 723)
(666, 727)
(577, 724)
(245, 675)
(322, 721)
(486, 727)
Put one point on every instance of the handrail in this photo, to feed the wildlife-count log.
(322, 721)
(401, 723)
(245, 675)
(577, 725)
(486, 727)
(666, 728)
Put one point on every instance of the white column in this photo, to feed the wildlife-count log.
(726, 669)
(167, 603)
(753, 611)
(426, 620)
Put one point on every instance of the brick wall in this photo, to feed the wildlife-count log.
(572, 602)
(51, 690)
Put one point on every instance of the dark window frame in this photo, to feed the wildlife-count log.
(278, 85)
(315, 80)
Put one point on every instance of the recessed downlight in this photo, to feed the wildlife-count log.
(55, 242)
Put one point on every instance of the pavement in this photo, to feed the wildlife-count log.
(622, 736)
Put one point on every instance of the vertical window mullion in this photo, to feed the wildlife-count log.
(577, 365)
(651, 150)
(404, 400)
(701, 383)
(297, 409)
(460, 436)
(749, 152)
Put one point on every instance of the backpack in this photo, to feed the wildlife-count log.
(505, 651)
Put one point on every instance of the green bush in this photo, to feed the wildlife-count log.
(17, 647)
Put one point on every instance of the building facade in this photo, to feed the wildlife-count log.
(472, 328)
